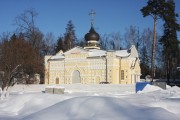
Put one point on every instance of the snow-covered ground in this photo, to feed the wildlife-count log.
(91, 102)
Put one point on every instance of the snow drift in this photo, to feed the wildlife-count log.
(86, 102)
(99, 108)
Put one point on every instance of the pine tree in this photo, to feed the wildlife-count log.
(155, 9)
(69, 36)
(169, 39)
(165, 9)
(60, 45)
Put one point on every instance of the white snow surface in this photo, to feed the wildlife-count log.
(57, 56)
(96, 52)
(91, 102)
(122, 53)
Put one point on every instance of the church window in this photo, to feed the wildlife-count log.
(57, 80)
(122, 74)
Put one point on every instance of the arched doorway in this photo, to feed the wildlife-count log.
(76, 78)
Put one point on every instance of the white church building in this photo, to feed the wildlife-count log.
(91, 65)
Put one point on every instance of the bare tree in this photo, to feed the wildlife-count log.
(116, 40)
(132, 36)
(26, 20)
(145, 51)
(104, 41)
(17, 59)
(26, 25)
(146, 40)
(48, 44)
(9, 78)
(111, 41)
(4, 37)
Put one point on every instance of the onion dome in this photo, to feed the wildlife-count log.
(92, 35)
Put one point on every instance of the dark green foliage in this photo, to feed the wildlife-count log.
(60, 45)
(153, 8)
(144, 63)
(69, 36)
(165, 9)
(169, 39)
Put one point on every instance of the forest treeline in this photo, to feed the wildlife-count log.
(26, 47)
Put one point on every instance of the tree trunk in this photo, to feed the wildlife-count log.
(3, 93)
(153, 48)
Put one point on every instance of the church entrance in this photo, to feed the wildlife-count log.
(76, 78)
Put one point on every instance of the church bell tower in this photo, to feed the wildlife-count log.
(92, 37)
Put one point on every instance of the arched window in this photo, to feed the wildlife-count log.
(57, 80)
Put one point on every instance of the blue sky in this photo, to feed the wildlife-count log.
(53, 15)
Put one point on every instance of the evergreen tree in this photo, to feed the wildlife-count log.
(169, 39)
(144, 62)
(80, 43)
(13, 37)
(60, 45)
(155, 9)
(69, 36)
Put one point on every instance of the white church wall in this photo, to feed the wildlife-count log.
(92, 70)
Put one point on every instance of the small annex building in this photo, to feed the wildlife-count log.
(91, 65)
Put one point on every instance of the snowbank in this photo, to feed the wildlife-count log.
(55, 86)
(150, 88)
(99, 108)
(88, 102)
